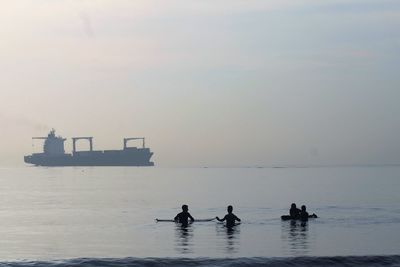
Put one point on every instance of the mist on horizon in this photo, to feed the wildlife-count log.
(240, 83)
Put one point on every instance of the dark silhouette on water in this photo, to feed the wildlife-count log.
(304, 214)
(294, 211)
(297, 214)
(184, 216)
(230, 218)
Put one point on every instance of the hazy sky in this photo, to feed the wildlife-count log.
(209, 83)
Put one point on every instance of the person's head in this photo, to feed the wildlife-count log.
(293, 206)
(229, 209)
(303, 208)
(185, 207)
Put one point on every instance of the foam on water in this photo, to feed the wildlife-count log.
(364, 261)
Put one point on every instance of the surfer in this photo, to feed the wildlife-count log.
(303, 214)
(184, 216)
(294, 211)
(230, 218)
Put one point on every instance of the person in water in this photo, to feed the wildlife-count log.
(184, 216)
(294, 211)
(230, 218)
(304, 214)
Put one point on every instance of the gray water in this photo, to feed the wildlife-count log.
(101, 212)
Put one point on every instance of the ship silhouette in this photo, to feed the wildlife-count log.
(54, 154)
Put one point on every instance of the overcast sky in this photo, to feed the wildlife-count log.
(208, 83)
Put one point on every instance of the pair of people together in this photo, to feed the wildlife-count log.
(300, 214)
(184, 217)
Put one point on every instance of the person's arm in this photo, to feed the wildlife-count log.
(191, 218)
(237, 219)
(220, 220)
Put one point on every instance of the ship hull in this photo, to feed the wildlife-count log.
(127, 157)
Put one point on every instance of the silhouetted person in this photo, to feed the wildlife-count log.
(184, 216)
(294, 211)
(230, 218)
(303, 214)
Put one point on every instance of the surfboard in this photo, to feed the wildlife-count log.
(196, 220)
(288, 217)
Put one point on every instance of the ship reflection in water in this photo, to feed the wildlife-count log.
(296, 237)
(54, 154)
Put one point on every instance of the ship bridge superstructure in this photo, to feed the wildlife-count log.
(53, 145)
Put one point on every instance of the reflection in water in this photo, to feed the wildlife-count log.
(231, 235)
(183, 237)
(295, 233)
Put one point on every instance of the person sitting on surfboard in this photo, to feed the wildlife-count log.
(230, 218)
(184, 216)
(294, 211)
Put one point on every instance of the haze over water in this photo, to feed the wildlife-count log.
(227, 83)
(224, 85)
(63, 213)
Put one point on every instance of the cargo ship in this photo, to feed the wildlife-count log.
(54, 154)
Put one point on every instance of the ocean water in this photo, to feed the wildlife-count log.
(105, 216)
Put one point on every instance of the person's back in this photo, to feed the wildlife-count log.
(230, 218)
(294, 211)
(303, 214)
(184, 216)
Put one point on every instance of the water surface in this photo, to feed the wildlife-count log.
(109, 212)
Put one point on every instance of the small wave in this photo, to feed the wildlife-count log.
(155, 262)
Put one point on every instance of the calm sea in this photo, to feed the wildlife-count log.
(104, 216)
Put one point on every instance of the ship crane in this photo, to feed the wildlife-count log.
(74, 139)
(134, 138)
(36, 138)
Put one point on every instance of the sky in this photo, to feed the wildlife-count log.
(208, 83)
